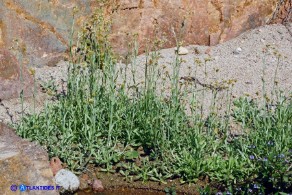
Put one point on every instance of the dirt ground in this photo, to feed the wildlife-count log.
(116, 184)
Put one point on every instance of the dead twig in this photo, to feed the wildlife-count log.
(212, 87)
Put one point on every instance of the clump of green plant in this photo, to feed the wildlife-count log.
(268, 144)
(146, 135)
(170, 190)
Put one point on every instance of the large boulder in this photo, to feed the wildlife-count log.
(23, 162)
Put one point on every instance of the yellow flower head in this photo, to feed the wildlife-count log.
(32, 71)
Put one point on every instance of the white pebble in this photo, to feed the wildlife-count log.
(67, 180)
(237, 51)
(182, 51)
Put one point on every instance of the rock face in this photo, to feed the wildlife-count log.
(13, 77)
(203, 22)
(22, 162)
(43, 27)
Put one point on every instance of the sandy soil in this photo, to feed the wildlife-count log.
(244, 59)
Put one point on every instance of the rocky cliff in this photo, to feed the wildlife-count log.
(203, 22)
(43, 27)
(40, 30)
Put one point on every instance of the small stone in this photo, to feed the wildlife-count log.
(68, 181)
(85, 177)
(84, 182)
(237, 51)
(208, 51)
(97, 186)
(55, 165)
(182, 51)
